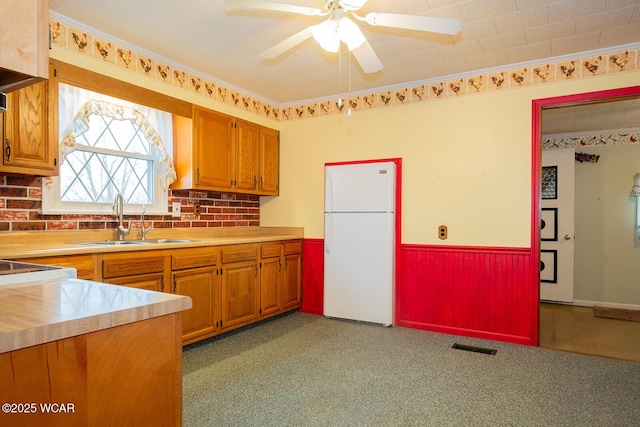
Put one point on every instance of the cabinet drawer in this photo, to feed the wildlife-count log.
(82, 263)
(133, 264)
(238, 253)
(193, 258)
(293, 247)
(271, 250)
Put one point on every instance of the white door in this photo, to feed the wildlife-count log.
(557, 222)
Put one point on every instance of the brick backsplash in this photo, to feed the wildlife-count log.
(21, 205)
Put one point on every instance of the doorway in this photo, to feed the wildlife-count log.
(569, 314)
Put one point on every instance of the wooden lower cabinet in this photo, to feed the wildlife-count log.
(240, 285)
(203, 286)
(240, 294)
(142, 270)
(292, 287)
(126, 375)
(195, 273)
(271, 279)
(230, 286)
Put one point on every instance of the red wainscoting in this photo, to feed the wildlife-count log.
(312, 276)
(470, 291)
(480, 292)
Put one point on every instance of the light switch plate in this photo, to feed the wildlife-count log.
(176, 209)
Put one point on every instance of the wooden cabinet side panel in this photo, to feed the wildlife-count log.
(55, 372)
(135, 374)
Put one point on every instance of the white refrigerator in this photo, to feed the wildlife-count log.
(359, 242)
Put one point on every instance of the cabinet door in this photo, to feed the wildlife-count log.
(292, 281)
(240, 294)
(246, 150)
(200, 284)
(213, 149)
(271, 275)
(27, 146)
(150, 282)
(269, 162)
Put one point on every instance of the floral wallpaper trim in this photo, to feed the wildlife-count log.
(590, 140)
(616, 61)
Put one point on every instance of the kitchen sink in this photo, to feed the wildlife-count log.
(168, 241)
(134, 242)
(111, 242)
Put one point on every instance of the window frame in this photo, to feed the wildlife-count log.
(62, 72)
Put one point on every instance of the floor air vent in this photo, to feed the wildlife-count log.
(474, 349)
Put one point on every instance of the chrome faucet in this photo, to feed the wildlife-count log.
(118, 208)
(144, 230)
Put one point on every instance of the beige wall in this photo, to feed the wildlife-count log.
(607, 250)
(466, 162)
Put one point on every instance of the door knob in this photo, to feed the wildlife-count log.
(567, 237)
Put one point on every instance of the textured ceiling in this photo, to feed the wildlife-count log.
(620, 115)
(225, 45)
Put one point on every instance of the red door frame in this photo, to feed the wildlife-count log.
(536, 160)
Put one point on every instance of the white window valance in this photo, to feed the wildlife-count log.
(80, 125)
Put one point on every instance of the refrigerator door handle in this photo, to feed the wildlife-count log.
(329, 192)
(328, 230)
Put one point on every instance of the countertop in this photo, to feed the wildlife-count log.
(38, 312)
(24, 244)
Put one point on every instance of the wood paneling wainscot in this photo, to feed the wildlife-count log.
(480, 292)
(470, 291)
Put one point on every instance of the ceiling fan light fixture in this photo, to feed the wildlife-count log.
(350, 33)
(352, 4)
(326, 34)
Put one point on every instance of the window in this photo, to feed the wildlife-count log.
(110, 146)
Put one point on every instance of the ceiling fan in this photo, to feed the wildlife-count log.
(339, 28)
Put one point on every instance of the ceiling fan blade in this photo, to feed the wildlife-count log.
(415, 22)
(367, 58)
(287, 44)
(270, 5)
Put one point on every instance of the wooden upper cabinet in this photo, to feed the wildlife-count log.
(24, 56)
(29, 130)
(246, 158)
(269, 162)
(217, 152)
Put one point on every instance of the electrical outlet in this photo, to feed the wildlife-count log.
(442, 232)
(176, 209)
(196, 208)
